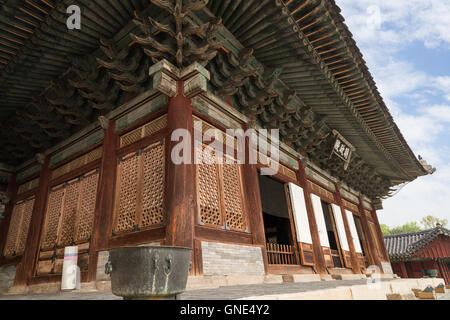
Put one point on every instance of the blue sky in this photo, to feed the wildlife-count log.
(406, 44)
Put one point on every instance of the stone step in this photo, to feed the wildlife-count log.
(326, 277)
(348, 276)
(398, 296)
(301, 277)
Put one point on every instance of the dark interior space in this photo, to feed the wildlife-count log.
(360, 232)
(275, 211)
(332, 236)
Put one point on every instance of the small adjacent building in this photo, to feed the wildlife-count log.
(412, 254)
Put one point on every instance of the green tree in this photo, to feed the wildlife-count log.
(385, 230)
(406, 228)
(430, 222)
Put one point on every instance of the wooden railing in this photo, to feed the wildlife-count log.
(280, 253)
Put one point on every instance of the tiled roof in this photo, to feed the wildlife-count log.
(404, 245)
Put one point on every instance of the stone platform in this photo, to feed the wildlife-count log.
(399, 289)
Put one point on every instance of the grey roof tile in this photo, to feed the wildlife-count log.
(401, 246)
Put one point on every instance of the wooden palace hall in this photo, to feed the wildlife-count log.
(90, 117)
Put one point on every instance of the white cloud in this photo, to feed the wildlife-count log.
(426, 196)
(440, 113)
(402, 21)
(416, 99)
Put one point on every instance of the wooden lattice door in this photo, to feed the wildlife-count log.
(18, 228)
(140, 186)
(69, 220)
(220, 192)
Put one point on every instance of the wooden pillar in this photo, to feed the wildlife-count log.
(373, 257)
(319, 258)
(403, 269)
(104, 206)
(379, 234)
(181, 196)
(355, 262)
(4, 224)
(252, 196)
(25, 269)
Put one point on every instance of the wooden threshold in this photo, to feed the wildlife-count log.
(340, 271)
(288, 269)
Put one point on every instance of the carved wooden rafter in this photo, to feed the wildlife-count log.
(128, 66)
(185, 42)
(95, 84)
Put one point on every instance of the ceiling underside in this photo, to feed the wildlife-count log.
(307, 41)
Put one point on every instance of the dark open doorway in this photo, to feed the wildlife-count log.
(277, 223)
(333, 237)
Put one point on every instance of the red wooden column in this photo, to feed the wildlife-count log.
(319, 258)
(4, 224)
(252, 197)
(379, 234)
(181, 196)
(104, 206)
(403, 268)
(25, 269)
(355, 263)
(373, 257)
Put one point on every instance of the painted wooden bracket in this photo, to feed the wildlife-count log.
(165, 77)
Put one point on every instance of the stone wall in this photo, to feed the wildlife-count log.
(7, 275)
(228, 259)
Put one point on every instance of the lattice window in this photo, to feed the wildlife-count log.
(70, 207)
(219, 192)
(321, 191)
(266, 161)
(140, 186)
(350, 205)
(143, 131)
(78, 162)
(153, 186)
(70, 212)
(126, 195)
(25, 225)
(53, 214)
(28, 186)
(85, 218)
(18, 227)
(233, 197)
(209, 193)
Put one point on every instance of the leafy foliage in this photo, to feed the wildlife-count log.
(430, 222)
(406, 228)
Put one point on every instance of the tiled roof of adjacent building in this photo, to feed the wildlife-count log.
(404, 245)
